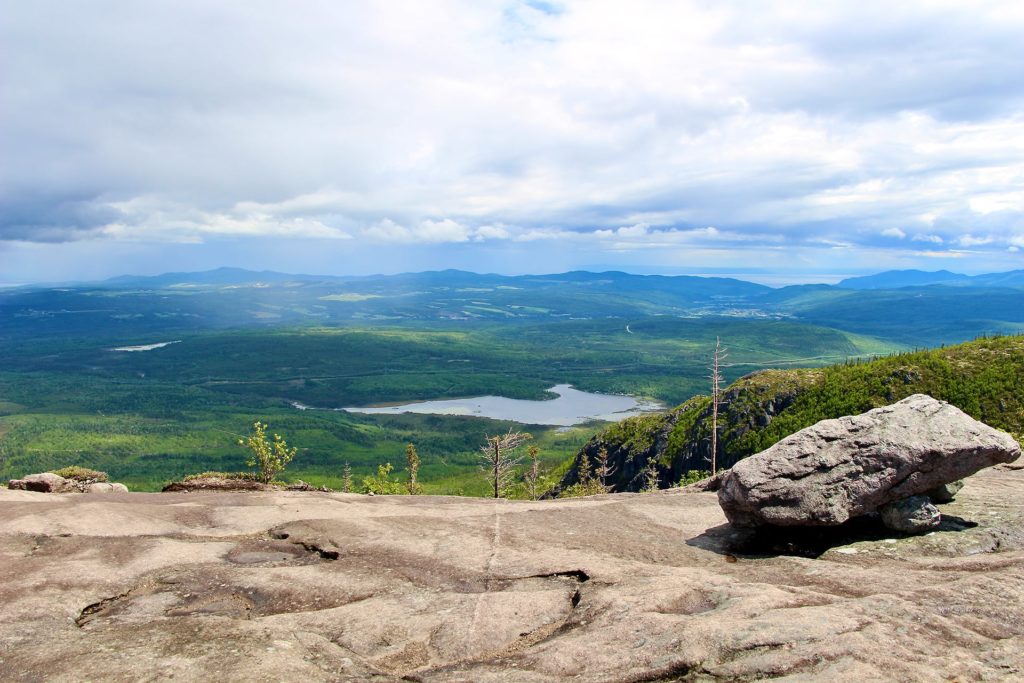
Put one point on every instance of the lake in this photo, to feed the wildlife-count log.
(572, 407)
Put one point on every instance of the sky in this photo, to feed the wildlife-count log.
(776, 141)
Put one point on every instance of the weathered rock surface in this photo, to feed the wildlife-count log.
(332, 587)
(46, 482)
(913, 515)
(839, 469)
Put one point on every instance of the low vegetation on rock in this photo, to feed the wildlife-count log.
(984, 378)
(81, 474)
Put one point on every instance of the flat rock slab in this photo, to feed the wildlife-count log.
(244, 586)
(839, 469)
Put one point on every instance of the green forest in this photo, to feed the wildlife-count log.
(150, 417)
(228, 347)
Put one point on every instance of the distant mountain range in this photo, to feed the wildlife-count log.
(908, 307)
(897, 279)
(890, 279)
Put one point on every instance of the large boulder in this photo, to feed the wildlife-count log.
(839, 469)
(46, 482)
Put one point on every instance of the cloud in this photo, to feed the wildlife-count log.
(503, 124)
(445, 230)
(491, 232)
(941, 254)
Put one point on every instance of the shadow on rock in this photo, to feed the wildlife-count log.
(812, 542)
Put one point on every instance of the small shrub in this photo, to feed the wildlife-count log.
(590, 487)
(270, 458)
(693, 476)
(382, 483)
(81, 474)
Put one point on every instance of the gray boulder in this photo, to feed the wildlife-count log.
(913, 515)
(946, 493)
(46, 482)
(839, 469)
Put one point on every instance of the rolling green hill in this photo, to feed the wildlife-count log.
(984, 378)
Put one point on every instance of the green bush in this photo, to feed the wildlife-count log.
(590, 487)
(270, 457)
(693, 476)
(382, 483)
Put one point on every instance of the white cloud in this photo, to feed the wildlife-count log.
(149, 219)
(491, 232)
(430, 231)
(972, 241)
(445, 230)
(637, 230)
(998, 201)
(622, 127)
(941, 254)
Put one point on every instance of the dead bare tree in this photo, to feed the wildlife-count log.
(604, 468)
(650, 477)
(499, 458)
(532, 475)
(716, 386)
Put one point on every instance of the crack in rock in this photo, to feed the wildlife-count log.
(96, 609)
